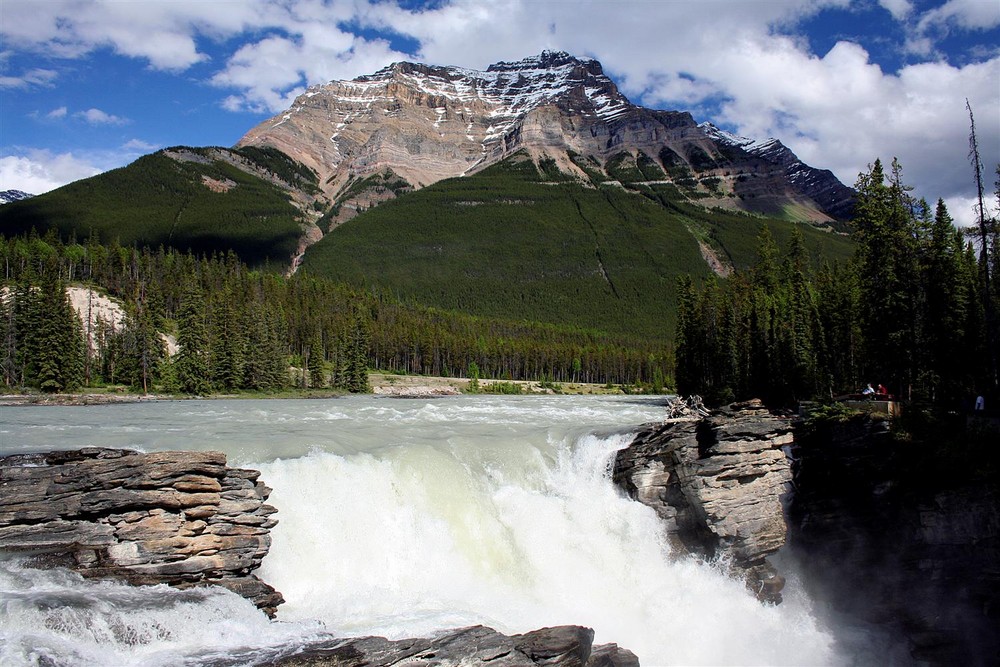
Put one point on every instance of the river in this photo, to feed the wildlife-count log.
(400, 517)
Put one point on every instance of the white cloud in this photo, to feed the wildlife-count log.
(969, 14)
(98, 117)
(39, 171)
(900, 9)
(965, 210)
(38, 76)
(139, 146)
(160, 31)
(57, 113)
(735, 62)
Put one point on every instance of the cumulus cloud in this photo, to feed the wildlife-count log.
(744, 65)
(98, 117)
(139, 146)
(900, 9)
(38, 171)
(57, 113)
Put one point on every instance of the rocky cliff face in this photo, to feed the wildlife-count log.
(889, 536)
(179, 518)
(900, 537)
(717, 484)
(426, 123)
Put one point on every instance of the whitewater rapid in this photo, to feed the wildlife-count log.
(400, 518)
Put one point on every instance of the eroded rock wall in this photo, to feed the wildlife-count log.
(902, 534)
(179, 518)
(717, 483)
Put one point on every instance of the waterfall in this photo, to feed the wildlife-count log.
(401, 518)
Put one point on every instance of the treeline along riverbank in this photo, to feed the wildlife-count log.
(237, 329)
(914, 310)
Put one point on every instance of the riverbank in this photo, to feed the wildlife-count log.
(382, 384)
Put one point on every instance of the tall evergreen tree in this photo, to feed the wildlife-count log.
(888, 272)
(317, 372)
(192, 366)
(356, 367)
(58, 341)
(946, 306)
(228, 343)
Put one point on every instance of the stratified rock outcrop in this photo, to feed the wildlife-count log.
(562, 646)
(179, 518)
(717, 484)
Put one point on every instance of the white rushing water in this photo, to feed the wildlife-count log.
(400, 518)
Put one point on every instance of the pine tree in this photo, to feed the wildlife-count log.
(228, 344)
(191, 367)
(317, 374)
(838, 304)
(357, 357)
(946, 307)
(888, 271)
(58, 343)
(688, 369)
(139, 348)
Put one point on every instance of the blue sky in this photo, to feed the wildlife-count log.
(89, 85)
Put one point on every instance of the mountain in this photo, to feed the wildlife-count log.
(532, 190)
(205, 200)
(8, 196)
(422, 124)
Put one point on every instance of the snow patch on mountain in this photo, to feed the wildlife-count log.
(8, 196)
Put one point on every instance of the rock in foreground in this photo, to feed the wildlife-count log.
(717, 484)
(177, 518)
(562, 646)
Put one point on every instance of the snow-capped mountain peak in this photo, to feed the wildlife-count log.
(425, 123)
(8, 196)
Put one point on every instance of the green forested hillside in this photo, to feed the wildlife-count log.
(514, 243)
(158, 200)
(240, 329)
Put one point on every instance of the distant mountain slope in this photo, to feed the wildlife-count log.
(8, 196)
(200, 199)
(521, 242)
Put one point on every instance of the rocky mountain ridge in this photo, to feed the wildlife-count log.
(421, 124)
(8, 196)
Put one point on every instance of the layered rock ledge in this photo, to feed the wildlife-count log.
(561, 646)
(177, 518)
(717, 483)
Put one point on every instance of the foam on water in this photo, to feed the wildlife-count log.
(423, 537)
(55, 617)
(403, 517)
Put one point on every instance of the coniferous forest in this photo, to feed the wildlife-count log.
(914, 310)
(238, 329)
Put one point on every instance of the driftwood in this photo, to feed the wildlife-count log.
(691, 407)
